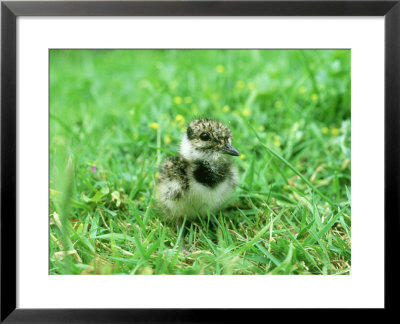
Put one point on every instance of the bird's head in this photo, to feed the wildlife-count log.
(207, 139)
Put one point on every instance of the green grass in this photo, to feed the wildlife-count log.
(115, 114)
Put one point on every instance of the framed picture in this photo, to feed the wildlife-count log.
(197, 155)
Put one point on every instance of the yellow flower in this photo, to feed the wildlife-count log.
(225, 108)
(156, 175)
(187, 100)
(242, 156)
(314, 96)
(240, 84)
(220, 68)
(251, 86)
(335, 131)
(278, 104)
(302, 90)
(167, 139)
(179, 118)
(154, 125)
(246, 112)
(178, 100)
(261, 128)
(325, 130)
(277, 141)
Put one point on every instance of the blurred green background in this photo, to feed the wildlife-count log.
(115, 114)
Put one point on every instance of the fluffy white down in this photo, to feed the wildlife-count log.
(199, 200)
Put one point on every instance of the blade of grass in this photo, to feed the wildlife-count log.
(311, 240)
(260, 233)
(291, 167)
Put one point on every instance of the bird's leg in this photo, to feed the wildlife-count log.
(179, 225)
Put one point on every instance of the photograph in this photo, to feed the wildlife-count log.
(199, 161)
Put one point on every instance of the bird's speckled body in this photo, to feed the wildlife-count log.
(202, 178)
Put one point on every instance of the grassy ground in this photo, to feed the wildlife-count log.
(114, 115)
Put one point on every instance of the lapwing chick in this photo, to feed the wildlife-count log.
(202, 178)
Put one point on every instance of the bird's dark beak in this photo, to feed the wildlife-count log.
(229, 149)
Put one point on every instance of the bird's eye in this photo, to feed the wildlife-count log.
(204, 137)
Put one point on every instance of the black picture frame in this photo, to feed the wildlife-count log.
(10, 10)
